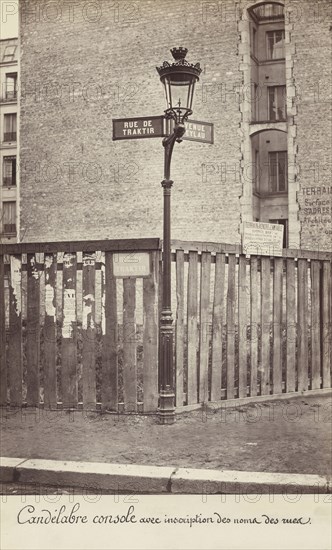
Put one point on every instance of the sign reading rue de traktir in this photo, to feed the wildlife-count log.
(139, 127)
(159, 126)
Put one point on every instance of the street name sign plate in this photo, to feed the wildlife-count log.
(131, 264)
(263, 239)
(139, 127)
(196, 130)
(199, 131)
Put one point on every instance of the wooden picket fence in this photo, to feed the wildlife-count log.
(75, 334)
(250, 326)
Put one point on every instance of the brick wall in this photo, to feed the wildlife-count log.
(107, 70)
(85, 63)
(312, 37)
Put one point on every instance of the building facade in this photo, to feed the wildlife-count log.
(8, 140)
(265, 85)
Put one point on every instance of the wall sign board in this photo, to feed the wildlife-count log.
(262, 238)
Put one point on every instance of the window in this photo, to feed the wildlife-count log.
(9, 53)
(275, 44)
(9, 171)
(9, 218)
(278, 172)
(254, 42)
(11, 86)
(276, 102)
(285, 224)
(10, 127)
(256, 171)
(254, 101)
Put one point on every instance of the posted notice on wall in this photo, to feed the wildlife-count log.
(262, 238)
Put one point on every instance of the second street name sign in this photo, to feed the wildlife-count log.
(199, 131)
(196, 130)
(139, 127)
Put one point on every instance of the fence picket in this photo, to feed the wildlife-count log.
(254, 322)
(69, 333)
(15, 357)
(41, 298)
(89, 330)
(315, 325)
(302, 319)
(326, 301)
(109, 389)
(33, 331)
(242, 329)
(192, 327)
(150, 336)
(50, 385)
(230, 328)
(179, 336)
(217, 327)
(204, 339)
(265, 326)
(291, 326)
(129, 345)
(3, 358)
(160, 305)
(277, 325)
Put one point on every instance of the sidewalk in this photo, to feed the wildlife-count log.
(138, 479)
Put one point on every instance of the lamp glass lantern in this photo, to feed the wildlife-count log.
(179, 79)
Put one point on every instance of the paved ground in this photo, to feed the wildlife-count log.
(291, 436)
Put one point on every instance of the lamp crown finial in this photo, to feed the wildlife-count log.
(179, 53)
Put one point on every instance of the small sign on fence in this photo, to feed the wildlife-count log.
(131, 264)
(263, 239)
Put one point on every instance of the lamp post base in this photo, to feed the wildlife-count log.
(166, 411)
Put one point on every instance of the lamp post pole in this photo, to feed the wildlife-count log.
(166, 405)
(179, 79)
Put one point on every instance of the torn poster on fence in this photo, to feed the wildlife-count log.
(15, 283)
(88, 311)
(69, 312)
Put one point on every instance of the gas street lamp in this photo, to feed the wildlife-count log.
(179, 79)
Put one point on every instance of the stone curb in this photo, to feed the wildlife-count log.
(132, 478)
